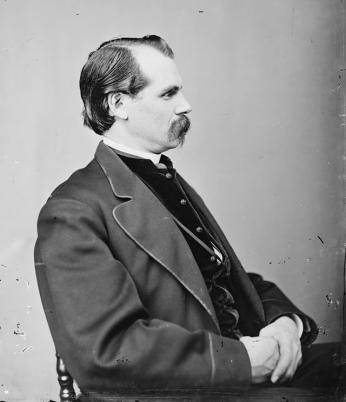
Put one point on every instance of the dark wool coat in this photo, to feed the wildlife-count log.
(126, 303)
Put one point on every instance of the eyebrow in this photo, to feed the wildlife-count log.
(172, 88)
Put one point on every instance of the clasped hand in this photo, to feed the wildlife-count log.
(275, 353)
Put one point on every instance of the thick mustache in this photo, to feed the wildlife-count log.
(182, 123)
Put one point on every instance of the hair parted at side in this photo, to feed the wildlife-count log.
(113, 68)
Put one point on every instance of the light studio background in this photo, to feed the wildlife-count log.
(265, 149)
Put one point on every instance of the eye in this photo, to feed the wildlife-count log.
(169, 94)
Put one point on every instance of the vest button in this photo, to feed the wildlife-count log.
(169, 176)
(199, 229)
(183, 201)
(212, 258)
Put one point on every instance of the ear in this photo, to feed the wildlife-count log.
(116, 104)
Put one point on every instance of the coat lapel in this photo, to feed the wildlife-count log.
(150, 225)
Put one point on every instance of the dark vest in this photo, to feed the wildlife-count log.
(164, 183)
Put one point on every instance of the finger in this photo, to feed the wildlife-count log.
(300, 355)
(296, 360)
(284, 362)
(289, 373)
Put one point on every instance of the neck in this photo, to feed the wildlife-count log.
(120, 135)
(155, 158)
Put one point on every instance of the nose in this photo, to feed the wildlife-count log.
(183, 106)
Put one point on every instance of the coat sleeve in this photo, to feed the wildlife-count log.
(276, 304)
(99, 325)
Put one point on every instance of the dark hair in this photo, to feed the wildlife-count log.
(109, 69)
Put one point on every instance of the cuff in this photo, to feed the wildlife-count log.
(230, 363)
(299, 324)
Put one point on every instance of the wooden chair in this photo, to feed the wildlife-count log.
(67, 392)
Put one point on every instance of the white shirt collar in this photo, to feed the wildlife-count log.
(155, 158)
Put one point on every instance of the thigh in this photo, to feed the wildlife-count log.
(321, 366)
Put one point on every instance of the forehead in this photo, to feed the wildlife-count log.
(161, 70)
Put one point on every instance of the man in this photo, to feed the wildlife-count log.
(139, 284)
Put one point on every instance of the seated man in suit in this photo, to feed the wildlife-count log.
(140, 287)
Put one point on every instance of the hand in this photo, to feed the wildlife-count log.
(264, 356)
(285, 332)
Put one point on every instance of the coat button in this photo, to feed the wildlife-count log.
(199, 229)
(169, 175)
(183, 201)
(212, 258)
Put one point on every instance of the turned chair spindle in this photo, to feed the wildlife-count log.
(67, 392)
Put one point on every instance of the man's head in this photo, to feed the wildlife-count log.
(131, 87)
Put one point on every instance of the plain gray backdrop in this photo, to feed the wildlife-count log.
(265, 149)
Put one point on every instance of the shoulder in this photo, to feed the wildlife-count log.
(86, 180)
(76, 205)
(87, 186)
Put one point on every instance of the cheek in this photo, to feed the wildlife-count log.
(154, 117)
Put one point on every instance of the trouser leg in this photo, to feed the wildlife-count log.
(321, 366)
